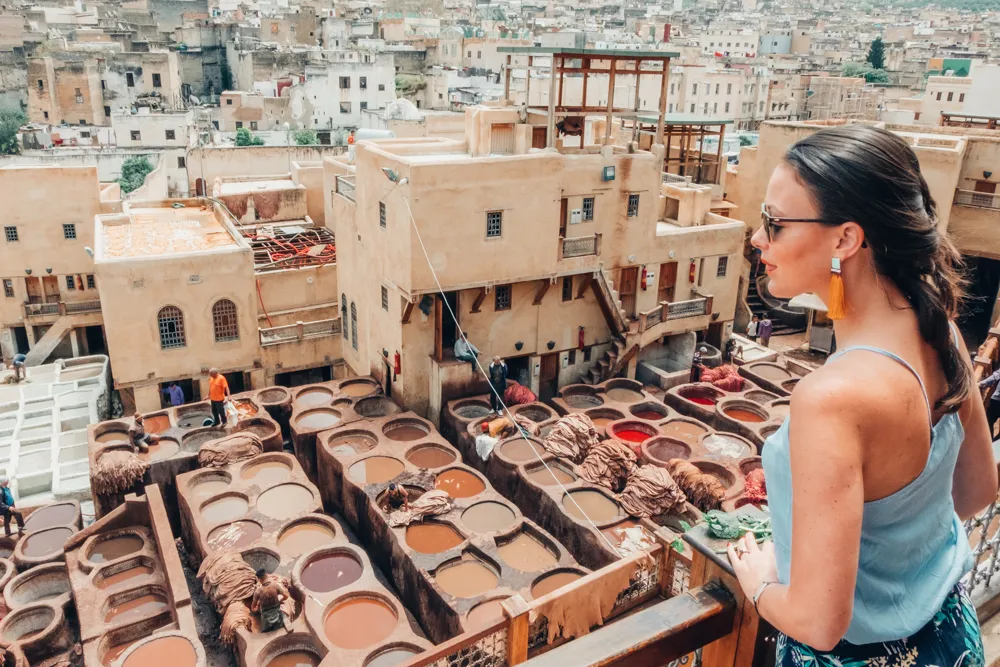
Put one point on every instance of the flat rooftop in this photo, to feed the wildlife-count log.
(155, 231)
(249, 187)
(594, 53)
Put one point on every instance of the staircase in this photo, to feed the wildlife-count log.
(758, 307)
(45, 345)
(610, 302)
(620, 353)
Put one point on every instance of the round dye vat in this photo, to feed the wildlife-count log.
(430, 457)
(113, 436)
(622, 395)
(195, 420)
(601, 422)
(472, 410)
(550, 476)
(119, 578)
(273, 395)
(526, 554)
(349, 444)
(534, 413)
(330, 572)
(375, 470)
(192, 442)
(210, 487)
(266, 473)
(553, 582)
(311, 398)
(355, 389)
(459, 483)
(116, 547)
(770, 372)
(245, 408)
(632, 435)
(51, 516)
(30, 623)
(359, 623)
(701, 400)
(720, 446)
(666, 449)
(261, 430)
(700, 395)
(467, 578)
(488, 517)
(391, 658)
(650, 415)
(521, 449)
(302, 537)
(405, 432)
(161, 450)
(285, 501)
(484, 614)
(235, 535)
(156, 424)
(742, 415)
(143, 606)
(163, 652)
(689, 432)
(319, 418)
(294, 659)
(224, 509)
(583, 401)
(115, 651)
(590, 504)
(45, 542)
(432, 538)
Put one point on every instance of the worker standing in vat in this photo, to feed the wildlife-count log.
(218, 392)
(138, 437)
(397, 497)
(498, 382)
(267, 601)
(7, 506)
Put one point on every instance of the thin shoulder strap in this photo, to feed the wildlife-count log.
(897, 358)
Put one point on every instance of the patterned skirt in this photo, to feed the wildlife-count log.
(951, 639)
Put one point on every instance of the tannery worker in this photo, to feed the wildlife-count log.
(174, 394)
(466, 351)
(267, 601)
(696, 364)
(138, 437)
(18, 366)
(7, 506)
(397, 497)
(498, 382)
(218, 392)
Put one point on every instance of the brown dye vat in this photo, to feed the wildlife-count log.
(467, 578)
(224, 509)
(314, 397)
(590, 504)
(665, 449)
(50, 517)
(294, 659)
(774, 374)
(622, 395)
(112, 653)
(484, 615)
(285, 501)
(113, 436)
(430, 457)
(355, 389)
(550, 476)
(245, 408)
(137, 608)
(375, 470)
(526, 554)
(432, 538)
(689, 432)
(163, 652)
(302, 537)
(266, 473)
(318, 419)
(534, 413)
(45, 542)
(330, 572)
(156, 423)
(350, 444)
(553, 582)
(210, 487)
(488, 517)
(119, 578)
(359, 623)
(459, 483)
(391, 658)
(273, 395)
(601, 422)
(649, 415)
(405, 433)
(521, 449)
(631, 530)
(163, 449)
(582, 401)
(726, 448)
(742, 415)
(116, 547)
(191, 420)
(235, 535)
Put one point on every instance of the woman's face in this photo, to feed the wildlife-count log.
(798, 256)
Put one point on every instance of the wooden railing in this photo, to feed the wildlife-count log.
(977, 199)
(299, 331)
(345, 186)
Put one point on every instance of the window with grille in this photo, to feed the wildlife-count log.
(156, 81)
(588, 208)
(224, 321)
(69, 230)
(586, 354)
(8, 288)
(181, 162)
(171, 135)
(91, 283)
(950, 96)
(345, 82)
(385, 299)
(961, 97)
(567, 294)
(70, 283)
(363, 83)
(633, 205)
(135, 135)
(343, 315)
(171, 323)
(572, 357)
(494, 224)
(381, 214)
(354, 326)
(10, 233)
(345, 107)
(502, 297)
(720, 272)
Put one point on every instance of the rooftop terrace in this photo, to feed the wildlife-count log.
(151, 230)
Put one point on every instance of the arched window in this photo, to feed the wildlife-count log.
(171, 322)
(343, 315)
(224, 321)
(354, 326)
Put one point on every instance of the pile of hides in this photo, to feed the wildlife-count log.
(485, 445)
(230, 449)
(236, 616)
(651, 491)
(725, 377)
(756, 489)
(702, 490)
(527, 426)
(117, 471)
(518, 394)
(608, 464)
(572, 437)
(431, 503)
(227, 578)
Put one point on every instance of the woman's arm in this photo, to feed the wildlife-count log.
(974, 484)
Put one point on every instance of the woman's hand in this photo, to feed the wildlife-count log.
(753, 564)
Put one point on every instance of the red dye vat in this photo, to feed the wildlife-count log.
(631, 435)
(700, 400)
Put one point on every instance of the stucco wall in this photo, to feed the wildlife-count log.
(211, 162)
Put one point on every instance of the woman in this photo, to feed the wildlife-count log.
(886, 448)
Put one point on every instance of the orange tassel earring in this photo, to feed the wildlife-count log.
(837, 307)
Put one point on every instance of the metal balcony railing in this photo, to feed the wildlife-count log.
(299, 331)
(977, 199)
(345, 186)
(581, 246)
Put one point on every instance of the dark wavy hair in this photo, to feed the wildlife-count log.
(872, 177)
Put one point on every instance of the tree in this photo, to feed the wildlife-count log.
(876, 54)
(871, 75)
(134, 172)
(305, 137)
(11, 121)
(244, 138)
(746, 140)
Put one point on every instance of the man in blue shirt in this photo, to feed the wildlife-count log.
(174, 394)
(19, 360)
(7, 506)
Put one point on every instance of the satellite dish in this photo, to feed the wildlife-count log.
(195, 100)
(368, 10)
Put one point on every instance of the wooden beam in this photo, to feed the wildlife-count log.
(506, 80)
(479, 300)
(406, 312)
(635, 107)
(584, 286)
(663, 101)
(611, 103)
(527, 82)
(583, 102)
(540, 294)
(518, 611)
(550, 139)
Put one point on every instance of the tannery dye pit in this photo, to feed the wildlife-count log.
(592, 505)
(742, 415)
(136, 608)
(488, 517)
(553, 582)
(318, 419)
(302, 537)
(125, 576)
(359, 623)
(405, 433)
(467, 578)
(224, 509)
(266, 473)
(527, 554)
(430, 457)
(622, 395)
(116, 547)
(235, 535)
(294, 659)
(432, 538)
(330, 572)
(459, 483)
(45, 542)
(375, 469)
(284, 501)
(50, 516)
(163, 652)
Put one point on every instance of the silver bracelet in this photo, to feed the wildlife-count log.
(760, 591)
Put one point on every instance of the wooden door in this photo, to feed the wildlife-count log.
(51, 287)
(986, 186)
(502, 139)
(667, 282)
(563, 214)
(627, 283)
(539, 136)
(34, 289)
(548, 380)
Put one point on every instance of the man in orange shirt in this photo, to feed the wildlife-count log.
(218, 392)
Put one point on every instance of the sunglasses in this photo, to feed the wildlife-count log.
(773, 224)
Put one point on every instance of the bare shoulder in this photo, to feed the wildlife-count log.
(857, 387)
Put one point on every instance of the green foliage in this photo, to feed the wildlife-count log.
(10, 121)
(305, 137)
(876, 54)
(256, 141)
(726, 526)
(745, 140)
(870, 74)
(245, 138)
(134, 172)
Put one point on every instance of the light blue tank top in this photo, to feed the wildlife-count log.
(913, 545)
